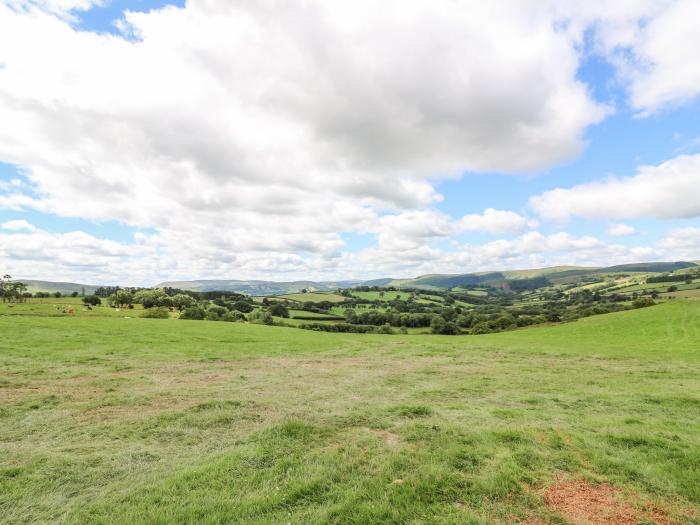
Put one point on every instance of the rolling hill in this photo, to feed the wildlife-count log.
(258, 287)
(426, 282)
(34, 286)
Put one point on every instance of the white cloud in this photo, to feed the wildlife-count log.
(683, 238)
(497, 222)
(621, 230)
(17, 225)
(669, 190)
(253, 127)
(251, 135)
(655, 52)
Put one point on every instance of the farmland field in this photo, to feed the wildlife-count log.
(313, 297)
(114, 420)
(382, 296)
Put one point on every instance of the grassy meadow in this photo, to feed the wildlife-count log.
(113, 420)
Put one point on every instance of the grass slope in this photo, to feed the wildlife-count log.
(34, 286)
(112, 420)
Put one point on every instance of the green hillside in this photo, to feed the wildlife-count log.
(34, 286)
(256, 288)
(125, 420)
(558, 273)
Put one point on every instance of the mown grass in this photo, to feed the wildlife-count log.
(113, 420)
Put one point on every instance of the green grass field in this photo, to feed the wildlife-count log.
(120, 421)
(312, 297)
(379, 296)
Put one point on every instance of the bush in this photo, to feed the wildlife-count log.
(92, 300)
(439, 326)
(160, 312)
(643, 302)
(193, 313)
(232, 317)
(214, 313)
(261, 316)
(279, 310)
(243, 306)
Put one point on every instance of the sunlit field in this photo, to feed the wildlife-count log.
(127, 420)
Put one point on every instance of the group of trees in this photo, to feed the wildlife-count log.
(445, 311)
(677, 278)
(12, 291)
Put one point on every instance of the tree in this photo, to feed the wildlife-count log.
(261, 316)
(121, 299)
(182, 301)
(151, 298)
(92, 300)
(440, 326)
(279, 310)
(232, 316)
(12, 291)
(243, 306)
(214, 313)
(194, 313)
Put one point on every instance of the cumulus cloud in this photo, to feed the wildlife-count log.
(621, 230)
(275, 126)
(653, 46)
(252, 135)
(18, 224)
(497, 222)
(666, 191)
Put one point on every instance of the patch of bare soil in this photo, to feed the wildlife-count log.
(581, 502)
(391, 439)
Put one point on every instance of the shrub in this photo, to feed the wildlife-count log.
(243, 306)
(643, 302)
(92, 300)
(439, 326)
(160, 312)
(233, 316)
(261, 316)
(193, 313)
(279, 310)
(214, 313)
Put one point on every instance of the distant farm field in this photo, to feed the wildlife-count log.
(382, 296)
(313, 297)
(120, 420)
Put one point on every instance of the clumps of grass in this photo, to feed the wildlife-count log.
(412, 411)
(217, 405)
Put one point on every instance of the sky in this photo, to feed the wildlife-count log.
(144, 141)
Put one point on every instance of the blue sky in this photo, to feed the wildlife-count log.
(204, 147)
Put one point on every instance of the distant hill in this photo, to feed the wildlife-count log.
(34, 286)
(557, 274)
(258, 287)
(652, 267)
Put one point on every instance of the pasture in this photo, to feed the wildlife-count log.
(311, 297)
(119, 421)
(382, 296)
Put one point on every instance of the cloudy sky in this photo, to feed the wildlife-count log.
(149, 140)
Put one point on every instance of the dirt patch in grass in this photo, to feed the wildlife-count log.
(392, 440)
(581, 502)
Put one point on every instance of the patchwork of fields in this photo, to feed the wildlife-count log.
(127, 420)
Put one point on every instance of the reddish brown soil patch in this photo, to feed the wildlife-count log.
(581, 502)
